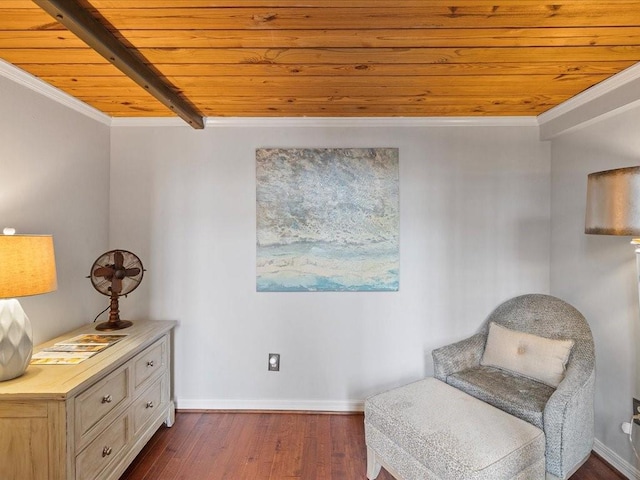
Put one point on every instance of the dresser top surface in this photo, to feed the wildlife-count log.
(61, 381)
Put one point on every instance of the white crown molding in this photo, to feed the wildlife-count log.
(275, 405)
(31, 82)
(612, 83)
(584, 109)
(340, 122)
(550, 133)
(615, 460)
(148, 122)
(387, 122)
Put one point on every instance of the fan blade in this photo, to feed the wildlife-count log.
(118, 258)
(103, 272)
(116, 285)
(132, 272)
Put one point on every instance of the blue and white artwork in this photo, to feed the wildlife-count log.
(327, 219)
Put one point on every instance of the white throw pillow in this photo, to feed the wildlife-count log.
(539, 358)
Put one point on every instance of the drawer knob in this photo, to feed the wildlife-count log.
(150, 363)
(106, 399)
(149, 404)
(106, 451)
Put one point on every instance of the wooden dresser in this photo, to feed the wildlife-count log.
(88, 421)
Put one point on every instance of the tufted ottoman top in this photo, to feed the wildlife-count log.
(450, 433)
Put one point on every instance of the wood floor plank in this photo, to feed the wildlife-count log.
(170, 468)
(323, 443)
(310, 449)
(213, 451)
(244, 461)
(161, 448)
(273, 446)
(288, 456)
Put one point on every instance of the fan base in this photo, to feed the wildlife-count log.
(110, 326)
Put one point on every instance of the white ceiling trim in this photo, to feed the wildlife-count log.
(387, 122)
(612, 83)
(31, 82)
(328, 122)
(613, 95)
(549, 131)
(148, 122)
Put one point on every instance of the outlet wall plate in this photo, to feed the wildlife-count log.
(274, 362)
(636, 409)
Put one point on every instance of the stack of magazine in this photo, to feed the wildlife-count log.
(75, 350)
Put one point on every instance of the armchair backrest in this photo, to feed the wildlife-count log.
(550, 317)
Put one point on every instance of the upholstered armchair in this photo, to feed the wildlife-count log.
(564, 412)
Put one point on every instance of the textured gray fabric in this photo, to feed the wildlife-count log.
(423, 431)
(568, 414)
(409, 468)
(515, 394)
(458, 356)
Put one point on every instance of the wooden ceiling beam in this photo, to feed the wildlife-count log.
(79, 21)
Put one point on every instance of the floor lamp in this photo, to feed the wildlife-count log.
(613, 208)
(27, 267)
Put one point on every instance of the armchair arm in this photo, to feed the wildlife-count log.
(458, 356)
(568, 421)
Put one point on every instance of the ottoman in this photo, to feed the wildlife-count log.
(431, 430)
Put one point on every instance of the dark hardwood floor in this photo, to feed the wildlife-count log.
(272, 446)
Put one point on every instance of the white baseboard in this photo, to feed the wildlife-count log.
(276, 405)
(615, 460)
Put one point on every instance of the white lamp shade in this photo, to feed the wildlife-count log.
(613, 202)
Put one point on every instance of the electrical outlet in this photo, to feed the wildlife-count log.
(274, 362)
(636, 409)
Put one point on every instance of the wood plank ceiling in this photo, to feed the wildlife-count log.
(340, 58)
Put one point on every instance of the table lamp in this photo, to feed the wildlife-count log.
(27, 267)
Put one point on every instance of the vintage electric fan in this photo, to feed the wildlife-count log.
(116, 273)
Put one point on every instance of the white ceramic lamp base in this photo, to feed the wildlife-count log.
(16, 344)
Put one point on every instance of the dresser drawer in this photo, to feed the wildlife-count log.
(96, 402)
(103, 450)
(150, 363)
(148, 404)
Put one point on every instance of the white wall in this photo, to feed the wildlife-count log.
(474, 231)
(54, 179)
(597, 274)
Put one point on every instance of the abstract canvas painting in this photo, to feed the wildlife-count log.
(327, 219)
